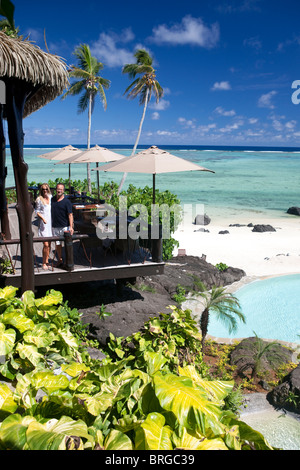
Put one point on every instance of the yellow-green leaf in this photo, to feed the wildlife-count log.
(7, 340)
(7, 402)
(116, 440)
(153, 434)
(18, 319)
(216, 390)
(189, 405)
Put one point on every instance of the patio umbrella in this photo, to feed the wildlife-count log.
(95, 154)
(62, 154)
(153, 160)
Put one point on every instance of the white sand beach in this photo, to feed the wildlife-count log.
(258, 254)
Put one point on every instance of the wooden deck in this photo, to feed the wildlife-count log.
(92, 261)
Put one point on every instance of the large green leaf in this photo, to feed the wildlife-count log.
(74, 369)
(18, 319)
(7, 340)
(216, 390)
(49, 381)
(52, 298)
(7, 402)
(57, 434)
(8, 292)
(189, 441)
(155, 361)
(247, 434)
(68, 338)
(189, 405)
(28, 300)
(153, 434)
(41, 335)
(30, 352)
(13, 431)
(116, 440)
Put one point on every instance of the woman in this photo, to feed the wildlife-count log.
(43, 211)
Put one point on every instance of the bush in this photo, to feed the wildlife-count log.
(53, 397)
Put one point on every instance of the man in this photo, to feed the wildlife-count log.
(62, 218)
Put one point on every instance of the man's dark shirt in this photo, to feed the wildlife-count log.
(60, 211)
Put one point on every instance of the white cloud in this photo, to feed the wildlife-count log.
(253, 120)
(223, 112)
(155, 116)
(106, 48)
(162, 105)
(190, 31)
(187, 123)
(221, 86)
(265, 100)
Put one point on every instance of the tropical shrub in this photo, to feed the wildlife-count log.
(54, 397)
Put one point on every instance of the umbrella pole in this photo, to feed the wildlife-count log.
(153, 189)
(98, 183)
(69, 178)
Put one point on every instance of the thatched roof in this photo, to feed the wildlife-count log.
(24, 60)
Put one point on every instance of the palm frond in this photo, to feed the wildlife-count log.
(83, 103)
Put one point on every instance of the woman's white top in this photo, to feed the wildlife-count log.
(45, 230)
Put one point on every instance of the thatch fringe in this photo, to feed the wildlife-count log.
(24, 60)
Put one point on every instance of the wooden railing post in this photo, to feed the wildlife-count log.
(69, 251)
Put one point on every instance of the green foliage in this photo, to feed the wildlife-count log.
(221, 266)
(5, 266)
(7, 9)
(148, 394)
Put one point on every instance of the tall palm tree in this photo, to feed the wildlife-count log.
(90, 84)
(224, 305)
(143, 86)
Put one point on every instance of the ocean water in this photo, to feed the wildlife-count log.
(263, 182)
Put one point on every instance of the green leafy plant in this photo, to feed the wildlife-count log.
(221, 266)
(140, 397)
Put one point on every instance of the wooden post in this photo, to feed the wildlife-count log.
(5, 230)
(69, 251)
(157, 247)
(17, 92)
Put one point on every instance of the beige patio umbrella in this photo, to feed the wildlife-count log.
(62, 154)
(96, 155)
(153, 160)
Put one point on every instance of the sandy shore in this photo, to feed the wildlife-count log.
(258, 254)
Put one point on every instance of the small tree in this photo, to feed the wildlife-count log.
(224, 305)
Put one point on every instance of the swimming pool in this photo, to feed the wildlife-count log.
(271, 307)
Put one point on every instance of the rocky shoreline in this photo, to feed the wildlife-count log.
(131, 307)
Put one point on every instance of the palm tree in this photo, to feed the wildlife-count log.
(260, 352)
(143, 86)
(90, 84)
(224, 305)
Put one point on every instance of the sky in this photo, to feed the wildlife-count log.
(227, 68)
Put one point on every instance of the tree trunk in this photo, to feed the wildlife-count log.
(204, 326)
(89, 143)
(16, 93)
(137, 140)
(5, 230)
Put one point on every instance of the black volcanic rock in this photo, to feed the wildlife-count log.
(131, 306)
(263, 228)
(294, 210)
